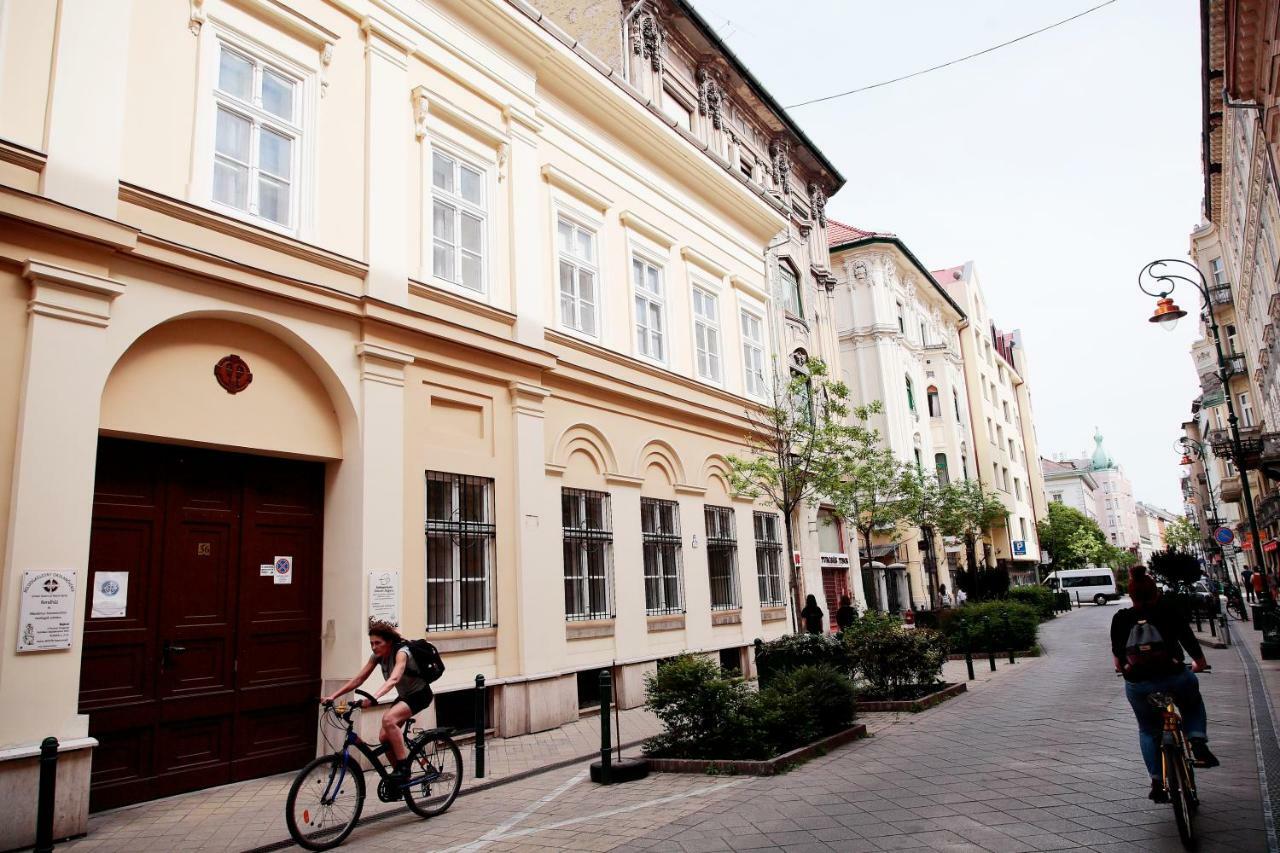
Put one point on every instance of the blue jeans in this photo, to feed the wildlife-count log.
(1184, 687)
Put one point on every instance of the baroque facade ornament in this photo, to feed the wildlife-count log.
(818, 203)
(710, 97)
(780, 165)
(648, 39)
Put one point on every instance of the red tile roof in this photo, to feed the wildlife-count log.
(839, 233)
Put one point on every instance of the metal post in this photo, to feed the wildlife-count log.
(481, 713)
(1077, 599)
(1196, 607)
(48, 785)
(991, 643)
(1213, 627)
(968, 648)
(606, 739)
(1226, 632)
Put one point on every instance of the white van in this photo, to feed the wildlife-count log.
(1090, 583)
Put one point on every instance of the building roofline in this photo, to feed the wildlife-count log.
(901, 246)
(759, 89)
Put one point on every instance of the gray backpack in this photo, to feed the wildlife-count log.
(1146, 648)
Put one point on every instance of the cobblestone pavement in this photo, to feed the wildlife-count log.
(1042, 757)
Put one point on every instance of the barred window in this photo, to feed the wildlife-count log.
(769, 559)
(460, 546)
(722, 558)
(660, 527)
(588, 554)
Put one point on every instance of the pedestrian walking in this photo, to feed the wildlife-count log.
(944, 598)
(845, 614)
(961, 596)
(1259, 584)
(1246, 578)
(812, 615)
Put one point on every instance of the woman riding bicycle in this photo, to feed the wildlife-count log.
(399, 673)
(1146, 643)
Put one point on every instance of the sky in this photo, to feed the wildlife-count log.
(1060, 165)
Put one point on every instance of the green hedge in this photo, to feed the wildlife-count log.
(992, 626)
(1039, 597)
(707, 713)
(792, 651)
(890, 657)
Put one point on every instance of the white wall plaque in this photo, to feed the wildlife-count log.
(110, 595)
(384, 595)
(46, 611)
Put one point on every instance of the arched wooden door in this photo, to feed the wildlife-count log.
(209, 672)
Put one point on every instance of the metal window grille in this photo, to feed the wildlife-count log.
(722, 558)
(588, 554)
(769, 559)
(663, 578)
(460, 552)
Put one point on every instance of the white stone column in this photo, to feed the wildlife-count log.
(52, 501)
(382, 463)
(388, 137)
(85, 121)
(539, 582)
(529, 229)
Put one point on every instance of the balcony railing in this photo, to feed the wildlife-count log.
(1220, 294)
(1235, 365)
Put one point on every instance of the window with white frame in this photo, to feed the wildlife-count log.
(578, 273)
(660, 532)
(1218, 271)
(769, 559)
(790, 281)
(1246, 409)
(706, 334)
(588, 554)
(257, 136)
(460, 541)
(651, 340)
(457, 221)
(753, 352)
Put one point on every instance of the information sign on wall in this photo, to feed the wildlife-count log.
(46, 610)
(384, 596)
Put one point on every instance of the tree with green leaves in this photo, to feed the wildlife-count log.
(1072, 539)
(869, 491)
(924, 503)
(1181, 535)
(794, 450)
(969, 512)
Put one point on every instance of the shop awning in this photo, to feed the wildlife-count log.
(877, 551)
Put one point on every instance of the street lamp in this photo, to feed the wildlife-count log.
(1162, 282)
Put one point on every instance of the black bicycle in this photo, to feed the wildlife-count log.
(1235, 603)
(327, 796)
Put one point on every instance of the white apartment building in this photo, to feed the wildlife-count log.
(1071, 482)
(1005, 452)
(1151, 522)
(899, 333)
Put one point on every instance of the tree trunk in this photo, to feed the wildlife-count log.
(970, 553)
(791, 570)
(930, 566)
(872, 595)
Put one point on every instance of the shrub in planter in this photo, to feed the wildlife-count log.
(804, 704)
(704, 712)
(792, 651)
(994, 626)
(1039, 597)
(893, 661)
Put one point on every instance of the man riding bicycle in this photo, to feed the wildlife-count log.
(1146, 643)
(399, 672)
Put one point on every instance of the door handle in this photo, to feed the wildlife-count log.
(167, 651)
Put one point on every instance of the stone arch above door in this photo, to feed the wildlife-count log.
(164, 387)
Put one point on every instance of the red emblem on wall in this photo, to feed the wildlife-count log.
(232, 374)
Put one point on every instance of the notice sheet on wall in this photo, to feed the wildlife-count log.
(384, 596)
(46, 610)
(110, 595)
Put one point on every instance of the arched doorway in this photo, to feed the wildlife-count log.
(207, 671)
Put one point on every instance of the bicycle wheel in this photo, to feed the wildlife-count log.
(1179, 794)
(436, 766)
(325, 801)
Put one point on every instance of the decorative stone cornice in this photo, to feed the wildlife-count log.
(648, 37)
(710, 95)
(780, 163)
(528, 398)
(71, 295)
(382, 364)
(818, 203)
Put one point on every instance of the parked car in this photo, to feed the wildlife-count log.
(1093, 583)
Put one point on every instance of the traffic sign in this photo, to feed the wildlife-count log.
(1224, 535)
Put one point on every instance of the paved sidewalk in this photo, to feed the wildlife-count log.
(245, 815)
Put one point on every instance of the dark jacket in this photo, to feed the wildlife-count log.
(845, 616)
(812, 615)
(1171, 625)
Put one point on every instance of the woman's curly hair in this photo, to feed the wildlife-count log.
(385, 630)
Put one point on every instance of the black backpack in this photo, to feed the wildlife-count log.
(426, 660)
(1146, 649)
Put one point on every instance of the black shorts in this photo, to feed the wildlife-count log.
(417, 701)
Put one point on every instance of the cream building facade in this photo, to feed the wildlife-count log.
(422, 309)
(1070, 482)
(1006, 453)
(899, 336)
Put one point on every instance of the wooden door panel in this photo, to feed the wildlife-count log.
(115, 674)
(198, 580)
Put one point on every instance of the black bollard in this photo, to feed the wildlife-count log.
(1077, 601)
(1226, 632)
(481, 713)
(1213, 627)
(48, 785)
(968, 650)
(606, 738)
(1008, 627)
(1199, 627)
(991, 643)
